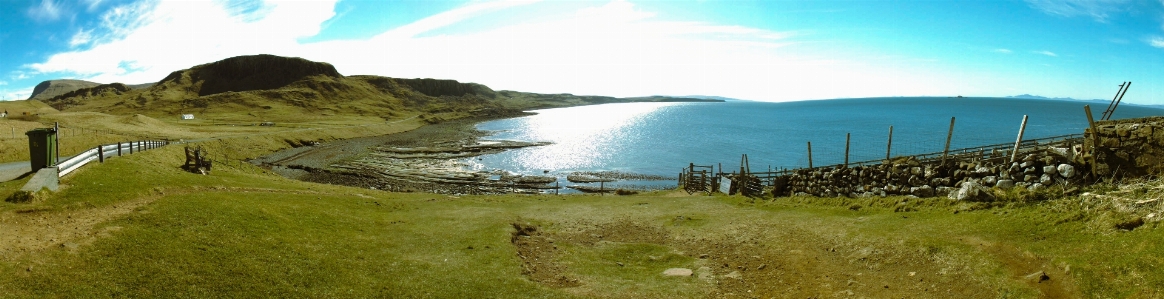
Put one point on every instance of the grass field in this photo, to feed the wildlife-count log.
(243, 232)
(140, 226)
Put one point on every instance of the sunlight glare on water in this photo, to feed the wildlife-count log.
(584, 137)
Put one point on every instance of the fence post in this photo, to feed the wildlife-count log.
(100, 153)
(810, 155)
(119, 149)
(1022, 128)
(847, 149)
(131, 147)
(57, 130)
(949, 136)
(889, 146)
(1094, 138)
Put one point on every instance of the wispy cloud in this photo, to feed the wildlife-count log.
(1003, 51)
(1099, 10)
(1045, 52)
(2, 83)
(46, 11)
(92, 5)
(82, 37)
(1156, 42)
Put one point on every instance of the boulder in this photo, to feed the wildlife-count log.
(677, 272)
(923, 191)
(1036, 187)
(989, 180)
(971, 191)
(1046, 180)
(943, 191)
(1050, 169)
(1004, 184)
(1066, 170)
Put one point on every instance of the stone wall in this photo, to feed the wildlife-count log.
(1129, 147)
(962, 179)
(1126, 148)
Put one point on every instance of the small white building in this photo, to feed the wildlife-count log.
(187, 116)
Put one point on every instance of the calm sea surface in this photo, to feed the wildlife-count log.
(662, 138)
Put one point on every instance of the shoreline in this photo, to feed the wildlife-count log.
(425, 159)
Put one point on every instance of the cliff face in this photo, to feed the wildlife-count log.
(52, 88)
(246, 73)
(437, 88)
(99, 90)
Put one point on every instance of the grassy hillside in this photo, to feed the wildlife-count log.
(280, 89)
(248, 233)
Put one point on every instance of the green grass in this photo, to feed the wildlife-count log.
(243, 232)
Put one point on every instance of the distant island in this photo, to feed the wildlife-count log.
(1030, 96)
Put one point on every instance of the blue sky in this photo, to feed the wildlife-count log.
(757, 50)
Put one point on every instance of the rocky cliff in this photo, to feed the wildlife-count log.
(53, 88)
(246, 73)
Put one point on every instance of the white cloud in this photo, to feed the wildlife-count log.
(46, 11)
(1099, 10)
(1003, 51)
(1156, 42)
(613, 49)
(149, 40)
(12, 95)
(2, 83)
(1044, 52)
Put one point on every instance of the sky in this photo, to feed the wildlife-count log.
(756, 50)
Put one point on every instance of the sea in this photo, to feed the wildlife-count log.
(663, 138)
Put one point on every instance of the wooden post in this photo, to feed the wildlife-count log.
(810, 155)
(119, 149)
(847, 149)
(889, 146)
(1022, 128)
(100, 154)
(949, 136)
(57, 131)
(1094, 138)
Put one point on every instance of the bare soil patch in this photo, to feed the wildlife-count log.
(537, 253)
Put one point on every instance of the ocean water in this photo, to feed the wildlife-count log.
(662, 138)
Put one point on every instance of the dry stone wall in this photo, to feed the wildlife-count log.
(964, 180)
(1129, 147)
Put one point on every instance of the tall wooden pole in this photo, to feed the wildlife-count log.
(810, 154)
(1022, 128)
(847, 149)
(889, 146)
(949, 136)
(1094, 138)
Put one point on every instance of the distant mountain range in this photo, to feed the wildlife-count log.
(1097, 101)
(1030, 96)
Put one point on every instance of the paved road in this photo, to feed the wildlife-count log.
(11, 171)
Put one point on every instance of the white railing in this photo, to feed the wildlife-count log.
(103, 152)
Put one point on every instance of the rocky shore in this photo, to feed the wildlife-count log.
(427, 159)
